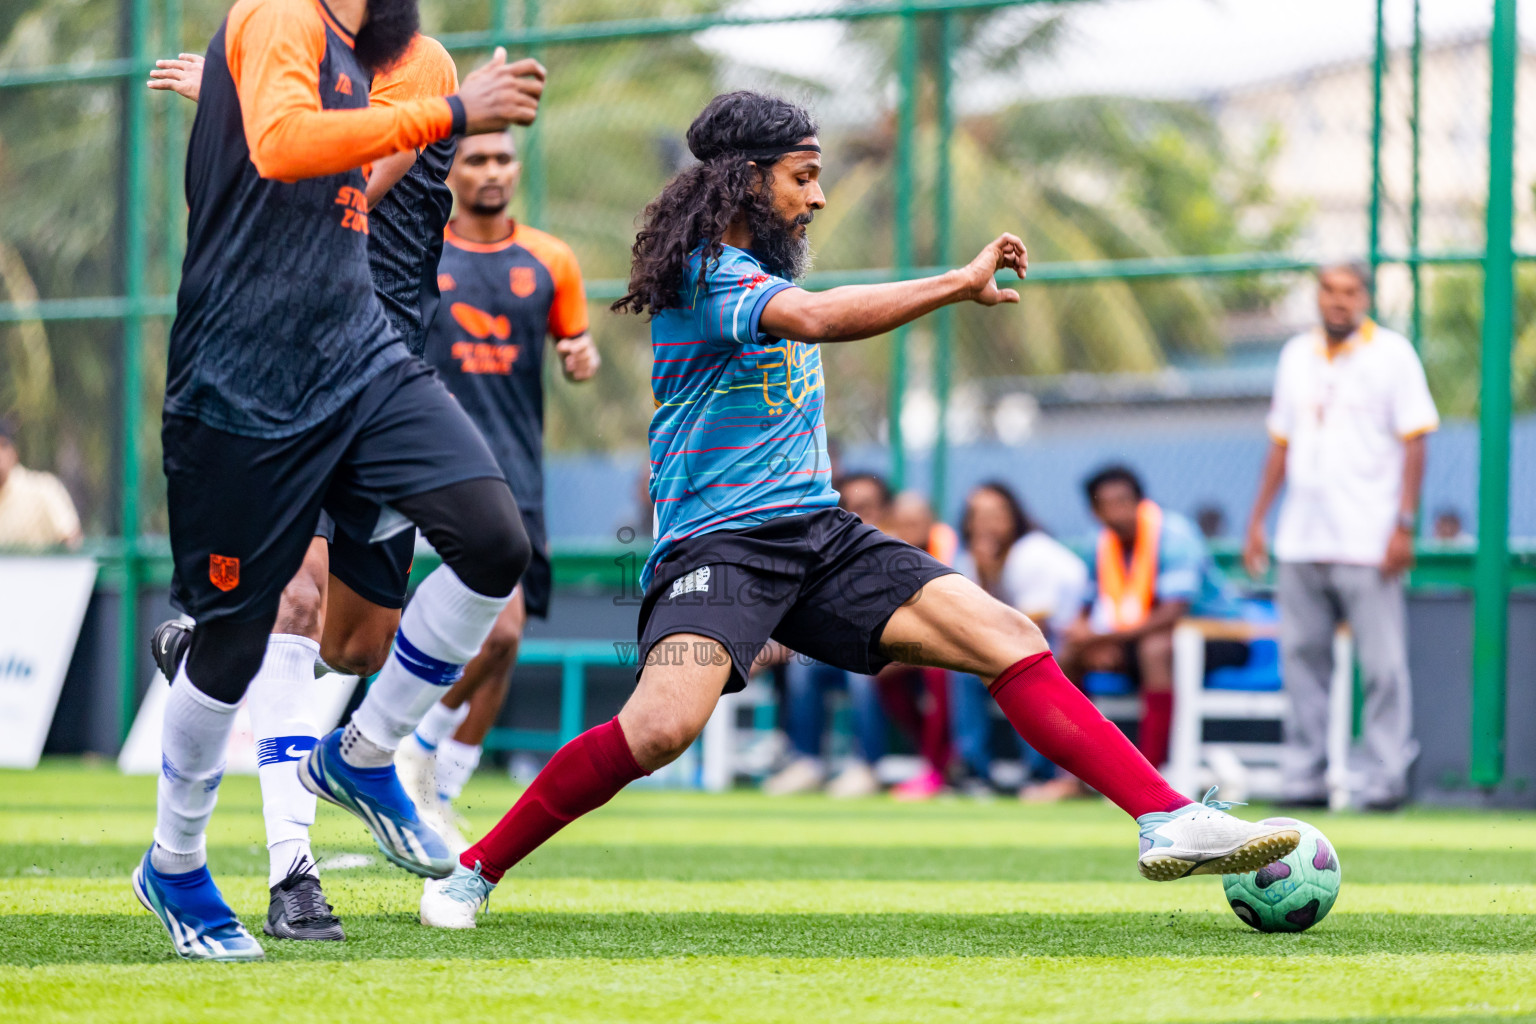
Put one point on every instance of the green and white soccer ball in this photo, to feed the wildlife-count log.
(1292, 894)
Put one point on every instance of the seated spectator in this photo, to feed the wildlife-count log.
(917, 699)
(1448, 528)
(1012, 558)
(1152, 569)
(807, 683)
(36, 512)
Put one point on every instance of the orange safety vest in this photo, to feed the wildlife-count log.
(1129, 597)
(943, 543)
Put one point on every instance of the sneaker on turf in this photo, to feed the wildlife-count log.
(375, 797)
(858, 779)
(168, 644)
(416, 767)
(299, 909)
(920, 787)
(454, 901)
(193, 911)
(1203, 839)
(440, 816)
(802, 775)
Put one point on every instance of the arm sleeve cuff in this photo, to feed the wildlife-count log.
(456, 105)
(762, 300)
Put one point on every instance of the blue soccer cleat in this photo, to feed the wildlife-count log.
(376, 797)
(200, 923)
(1203, 839)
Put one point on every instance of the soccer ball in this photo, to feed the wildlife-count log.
(1292, 894)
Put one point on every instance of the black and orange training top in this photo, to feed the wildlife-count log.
(405, 227)
(500, 302)
(277, 324)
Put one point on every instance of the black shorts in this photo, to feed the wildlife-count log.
(243, 510)
(822, 584)
(378, 572)
(538, 579)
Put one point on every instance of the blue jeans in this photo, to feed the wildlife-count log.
(806, 684)
(971, 713)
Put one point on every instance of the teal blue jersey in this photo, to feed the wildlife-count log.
(738, 436)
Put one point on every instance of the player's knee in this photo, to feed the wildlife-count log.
(356, 655)
(663, 738)
(501, 646)
(494, 560)
(225, 656)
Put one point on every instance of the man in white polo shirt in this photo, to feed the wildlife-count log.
(1348, 419)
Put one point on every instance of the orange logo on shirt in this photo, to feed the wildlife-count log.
(224, 572)
(446, 283)
(355, 216)
(484, 357)
(344, 84)
(480, 323)
(524, 283)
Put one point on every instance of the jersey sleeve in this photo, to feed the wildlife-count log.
(1413, 407)
(426, 70)
(62, 518)
(568, 313)
(1180, 562)
(1281, 421)
(731, 302)
(274, 50)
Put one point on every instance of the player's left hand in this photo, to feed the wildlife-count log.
(578, 357)
(183, 76)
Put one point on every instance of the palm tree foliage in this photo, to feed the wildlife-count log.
(1082, 178)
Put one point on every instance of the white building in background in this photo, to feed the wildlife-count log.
(1324, 116)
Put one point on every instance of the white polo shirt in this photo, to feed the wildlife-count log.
(1343, 417)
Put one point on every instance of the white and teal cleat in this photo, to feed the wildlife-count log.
(193, 911)
(1203, 839)
(374, 795)
(454, 901)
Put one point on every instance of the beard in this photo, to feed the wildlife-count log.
(487, 209)
(783, 248)
(383, 40)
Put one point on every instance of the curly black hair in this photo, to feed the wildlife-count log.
(697, 206)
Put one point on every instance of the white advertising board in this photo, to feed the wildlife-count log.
(42, 602)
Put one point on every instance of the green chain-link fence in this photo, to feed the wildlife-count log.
(1164, 225)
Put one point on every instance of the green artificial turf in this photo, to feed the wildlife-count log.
(675, 907)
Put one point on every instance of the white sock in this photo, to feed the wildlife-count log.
(192, 748)
(440, 723)
(456, 762)
(442, 628)
(281, 703)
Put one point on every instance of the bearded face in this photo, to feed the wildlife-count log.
(781, 243)
(387, 34)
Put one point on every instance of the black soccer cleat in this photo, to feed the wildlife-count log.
(299, 910)
(168, 644)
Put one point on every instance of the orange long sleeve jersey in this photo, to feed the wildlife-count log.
(277, 323)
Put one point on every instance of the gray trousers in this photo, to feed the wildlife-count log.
(1314, 597)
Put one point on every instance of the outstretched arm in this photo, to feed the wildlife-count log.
(863, 311)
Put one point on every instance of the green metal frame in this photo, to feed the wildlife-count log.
(133, 560)
(574, 658)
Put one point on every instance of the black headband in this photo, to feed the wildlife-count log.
(774, 152)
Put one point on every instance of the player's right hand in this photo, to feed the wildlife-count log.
(1256, 551)
(183, 76)
(1005, 252)
(498, 94)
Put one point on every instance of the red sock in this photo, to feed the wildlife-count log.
(1056, 719)
(1156, 721)
(582, 776)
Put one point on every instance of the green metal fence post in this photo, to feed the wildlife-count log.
(1378, 71)
(943, 203)
(171, 156)
(1415, 202)
(901, 230)
(532, 184)
(134, 227)
(573, 697)
(1490, 618)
